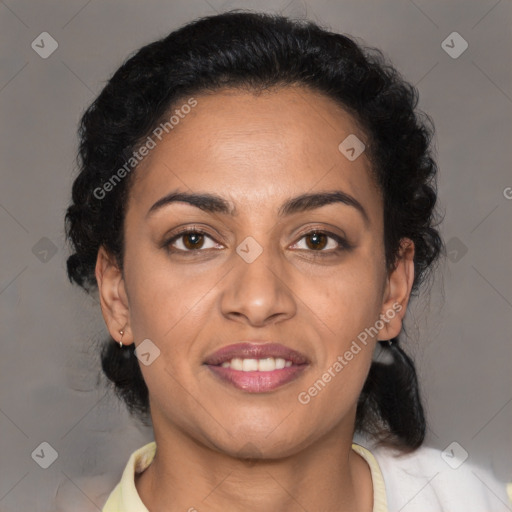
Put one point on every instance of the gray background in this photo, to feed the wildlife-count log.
(49, 374)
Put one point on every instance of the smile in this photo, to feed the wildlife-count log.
(268, 364)
(257, 368)
(257, 381)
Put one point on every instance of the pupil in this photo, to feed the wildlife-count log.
(316, 242)
(195, 237)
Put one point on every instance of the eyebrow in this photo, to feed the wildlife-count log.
(212, 203)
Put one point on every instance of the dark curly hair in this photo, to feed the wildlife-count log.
(255, 51)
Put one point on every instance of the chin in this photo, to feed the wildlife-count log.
(247, 444)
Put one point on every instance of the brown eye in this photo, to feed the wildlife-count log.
(323, 242)
(190, 240)
(193, 240)
(317, 240)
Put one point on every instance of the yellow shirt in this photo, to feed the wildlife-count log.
(125, 498)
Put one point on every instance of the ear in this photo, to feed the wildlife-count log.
(397, 291)
(113, 297)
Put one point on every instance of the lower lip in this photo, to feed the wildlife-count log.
(258, 382)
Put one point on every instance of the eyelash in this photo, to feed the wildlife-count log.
(343, 245)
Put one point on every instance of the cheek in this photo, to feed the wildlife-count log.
(348, 299)
(349, 307)
(332, 394)
(165, 297)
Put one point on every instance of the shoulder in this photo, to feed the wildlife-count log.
(91, 493)
(429, 480)
(85, 494)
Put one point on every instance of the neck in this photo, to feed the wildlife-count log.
(187, 476)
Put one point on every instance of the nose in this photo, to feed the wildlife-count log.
(259, 292)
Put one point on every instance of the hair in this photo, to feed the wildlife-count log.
(256, 51)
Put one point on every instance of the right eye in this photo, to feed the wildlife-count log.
(191, 240)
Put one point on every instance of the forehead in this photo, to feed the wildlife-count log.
(250, 147)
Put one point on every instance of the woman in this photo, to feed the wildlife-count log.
(256, 204)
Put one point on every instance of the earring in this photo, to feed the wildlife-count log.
(121, 332)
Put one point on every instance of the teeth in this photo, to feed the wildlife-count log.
(237, 364)
(267, 364)
(280, 363)
(250, 365)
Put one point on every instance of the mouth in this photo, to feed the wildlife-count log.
(257, 368)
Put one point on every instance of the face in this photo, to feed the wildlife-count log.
(258, 266)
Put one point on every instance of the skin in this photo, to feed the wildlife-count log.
(218, 445)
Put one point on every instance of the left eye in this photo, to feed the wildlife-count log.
(317, 241)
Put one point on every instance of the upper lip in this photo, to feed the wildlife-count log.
(250, 350)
